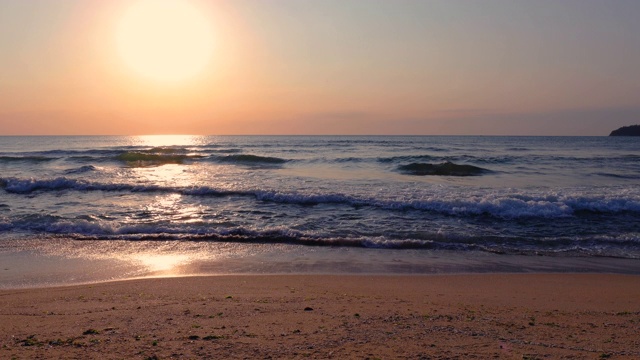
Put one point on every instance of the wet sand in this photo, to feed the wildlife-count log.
(506, 316)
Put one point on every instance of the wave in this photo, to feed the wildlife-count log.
(506, 159)
(165, 150)
(510, 159)
(81, 170)
(136, 158)
(227, 151)
(405, 158)
(82, 229)
(350, 159)
(626, 246)
(69, 152)
(503, 205)
(618, 176)
(249, 159)
(169, 155)
(34, 158)
(443, 169)
(28, 186)
(409, 157)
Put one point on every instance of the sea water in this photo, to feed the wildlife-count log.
(321, 203)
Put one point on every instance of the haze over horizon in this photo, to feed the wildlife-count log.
(498, 67)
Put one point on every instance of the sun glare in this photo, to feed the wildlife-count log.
(165, 40)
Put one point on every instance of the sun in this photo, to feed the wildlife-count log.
(165, 40)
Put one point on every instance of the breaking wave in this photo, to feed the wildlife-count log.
(93, 229)
(505, 205)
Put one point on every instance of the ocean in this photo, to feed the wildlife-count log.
(94, 208)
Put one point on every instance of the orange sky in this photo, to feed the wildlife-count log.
(330, 67)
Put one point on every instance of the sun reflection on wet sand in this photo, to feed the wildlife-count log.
(49, 262)
(162, 264)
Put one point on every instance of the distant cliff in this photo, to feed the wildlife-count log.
(633, 130)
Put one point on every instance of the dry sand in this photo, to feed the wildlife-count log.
(525, 316)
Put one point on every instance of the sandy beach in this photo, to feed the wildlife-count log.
(524, 316)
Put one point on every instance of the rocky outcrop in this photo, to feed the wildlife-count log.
(633, 130)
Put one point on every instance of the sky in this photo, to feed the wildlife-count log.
(450, 67)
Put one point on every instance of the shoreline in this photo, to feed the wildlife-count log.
(328, 316)
(45, 263)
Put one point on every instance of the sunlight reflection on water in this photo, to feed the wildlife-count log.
(168, 140)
